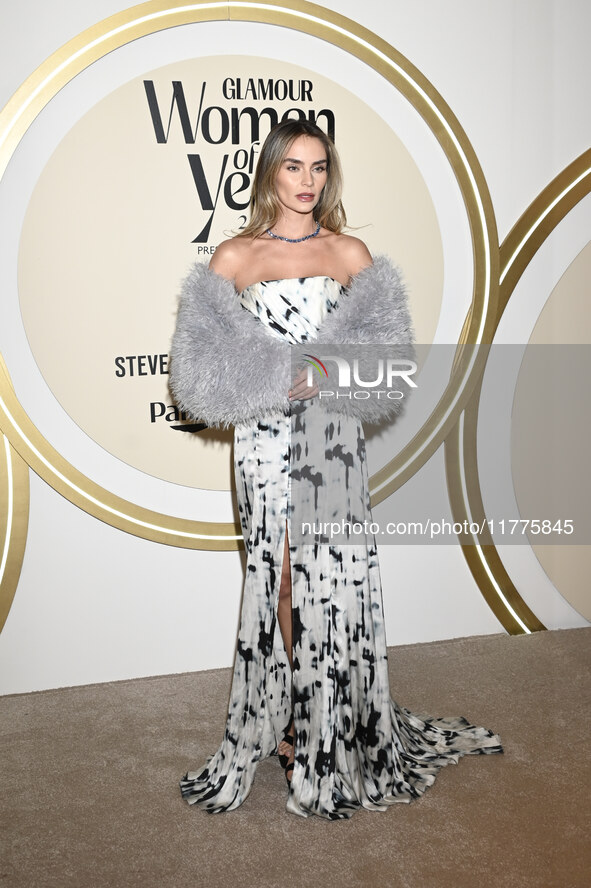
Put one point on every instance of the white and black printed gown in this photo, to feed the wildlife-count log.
(354, 745)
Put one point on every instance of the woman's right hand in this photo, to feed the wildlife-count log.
(300, 390)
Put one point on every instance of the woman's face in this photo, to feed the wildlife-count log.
(302, 175)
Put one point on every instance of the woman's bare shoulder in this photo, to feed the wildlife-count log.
(230, 256)
(353, 253)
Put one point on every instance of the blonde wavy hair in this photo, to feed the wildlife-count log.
(264, 206)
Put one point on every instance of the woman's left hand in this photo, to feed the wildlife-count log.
(300, 389)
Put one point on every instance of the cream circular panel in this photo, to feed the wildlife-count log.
(535, 255)
(550, 440)
(99, 261)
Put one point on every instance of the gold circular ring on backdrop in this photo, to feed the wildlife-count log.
(151, 17)
(461, 460)
(14, 519)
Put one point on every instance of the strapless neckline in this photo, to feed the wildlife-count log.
(306, 277)
(292, 308)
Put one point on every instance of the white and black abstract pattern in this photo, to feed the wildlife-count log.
(354, 745)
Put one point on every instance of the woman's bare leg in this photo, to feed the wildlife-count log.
(285, 622)
(284, 604)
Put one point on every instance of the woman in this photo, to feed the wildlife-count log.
(317, 691)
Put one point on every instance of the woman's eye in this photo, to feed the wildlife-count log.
(295, 169)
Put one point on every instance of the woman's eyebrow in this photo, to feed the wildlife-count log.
(295, 160)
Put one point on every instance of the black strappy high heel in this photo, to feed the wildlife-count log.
(283, 759)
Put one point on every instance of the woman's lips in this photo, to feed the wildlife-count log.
(305, 196)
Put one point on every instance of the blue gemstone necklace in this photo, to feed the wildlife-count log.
(294, 240)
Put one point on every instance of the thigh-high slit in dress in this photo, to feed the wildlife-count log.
(355, 747)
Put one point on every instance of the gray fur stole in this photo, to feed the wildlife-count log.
(227, 369)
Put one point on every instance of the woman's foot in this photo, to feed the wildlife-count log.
(286, 751)
(289, 769)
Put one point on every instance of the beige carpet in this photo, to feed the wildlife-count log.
(89, 784)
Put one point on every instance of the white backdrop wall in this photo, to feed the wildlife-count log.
(96, 604)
